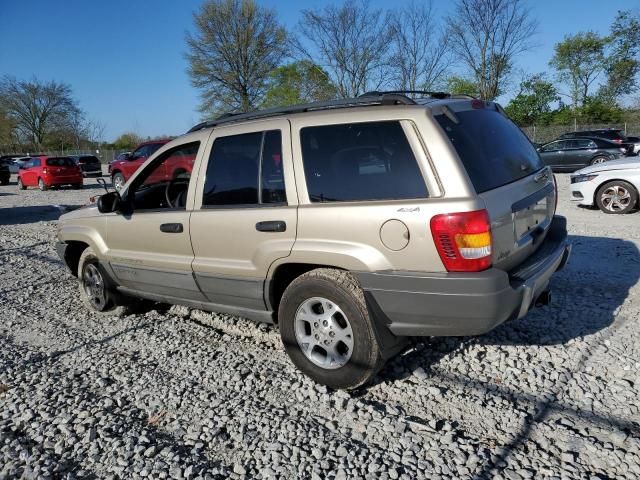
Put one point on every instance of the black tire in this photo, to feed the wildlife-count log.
(78, 186)
(114, 304)
(4, 181)
(598, 159)
(627, 200)
(118, 181)
(41, 185)
(341, 288)
(21, 186)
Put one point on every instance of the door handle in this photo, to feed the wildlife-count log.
(271, 226)
(171, 228)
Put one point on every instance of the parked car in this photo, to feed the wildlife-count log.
(16, 161)
(46, 172)
(574, 153)
(613, 134)
(5, 173)
(352, 224)
(121, 170)
(613, 186)
(89, 164)
(635, 141)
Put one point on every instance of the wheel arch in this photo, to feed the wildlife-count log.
(282, 276)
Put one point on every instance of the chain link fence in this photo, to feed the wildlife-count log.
(551, 132)
(105, 156)
(537, 134)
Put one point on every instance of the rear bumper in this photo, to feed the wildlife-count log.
(442, 304)
(51, 180)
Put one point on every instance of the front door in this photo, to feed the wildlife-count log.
(149, 246)
(244, 216)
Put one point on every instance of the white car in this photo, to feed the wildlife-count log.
(613, 186)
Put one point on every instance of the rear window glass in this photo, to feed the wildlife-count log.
(492, 148)
(360, 161)
(60, 162)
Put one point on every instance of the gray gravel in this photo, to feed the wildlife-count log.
(179, 393)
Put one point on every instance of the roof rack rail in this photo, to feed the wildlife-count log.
(363, 100)
(436, 95)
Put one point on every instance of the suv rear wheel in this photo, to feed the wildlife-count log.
(21, 185)
(326, 329)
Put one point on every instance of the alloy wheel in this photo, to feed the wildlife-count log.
(615, 198)
(94, 287)
(323, 333)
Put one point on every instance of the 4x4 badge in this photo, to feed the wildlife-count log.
(407, 209)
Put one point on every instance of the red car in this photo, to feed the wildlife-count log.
(122, 169)
(45, 172)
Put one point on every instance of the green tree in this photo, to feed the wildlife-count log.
(579, 59)
(488, 35)
(461, 86)
(298, 82)
(350, 41)
(127, 141)
(532, 104)
(38, 109)
(622, 63)
(236, 45)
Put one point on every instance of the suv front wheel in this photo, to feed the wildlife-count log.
(94, 289)
(327, 331)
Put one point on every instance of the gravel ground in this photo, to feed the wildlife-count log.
(178, 393)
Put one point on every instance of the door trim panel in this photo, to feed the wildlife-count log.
(240, 292)
(164, 282)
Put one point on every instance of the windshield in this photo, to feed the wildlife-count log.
(492, 148)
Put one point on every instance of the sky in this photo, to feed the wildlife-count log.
(124, 59)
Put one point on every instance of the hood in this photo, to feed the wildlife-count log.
(622, 164)
(90, 210)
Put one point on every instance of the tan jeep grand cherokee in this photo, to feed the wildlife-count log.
(352, 224)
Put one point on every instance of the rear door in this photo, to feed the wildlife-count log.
(245, 215)
(508, 175)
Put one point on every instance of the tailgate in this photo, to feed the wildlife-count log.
(506, 173)
(520, 213)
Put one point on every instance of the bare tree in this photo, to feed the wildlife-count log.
(419, 57)
(351, 42)
(236, 45)
(37, 108)
(488, 35)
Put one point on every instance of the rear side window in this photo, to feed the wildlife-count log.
(245, 170)
(492, 148)
(360, 161)
(60, 162)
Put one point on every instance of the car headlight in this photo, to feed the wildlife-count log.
(582, 178)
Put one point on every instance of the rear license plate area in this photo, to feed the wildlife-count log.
(534, 216)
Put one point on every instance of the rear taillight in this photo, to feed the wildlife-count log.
(463, 240)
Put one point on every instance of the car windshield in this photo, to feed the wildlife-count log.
(60, 162)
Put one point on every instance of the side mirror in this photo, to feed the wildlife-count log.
(109, 202)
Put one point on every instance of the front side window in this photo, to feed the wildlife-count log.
(245, 169)
(165, 182)
(360, 161)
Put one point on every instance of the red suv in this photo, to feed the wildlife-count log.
(45, 172)
(121, 170)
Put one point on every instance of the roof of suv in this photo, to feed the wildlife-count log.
(366, 99)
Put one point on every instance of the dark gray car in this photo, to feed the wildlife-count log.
(568, 155)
